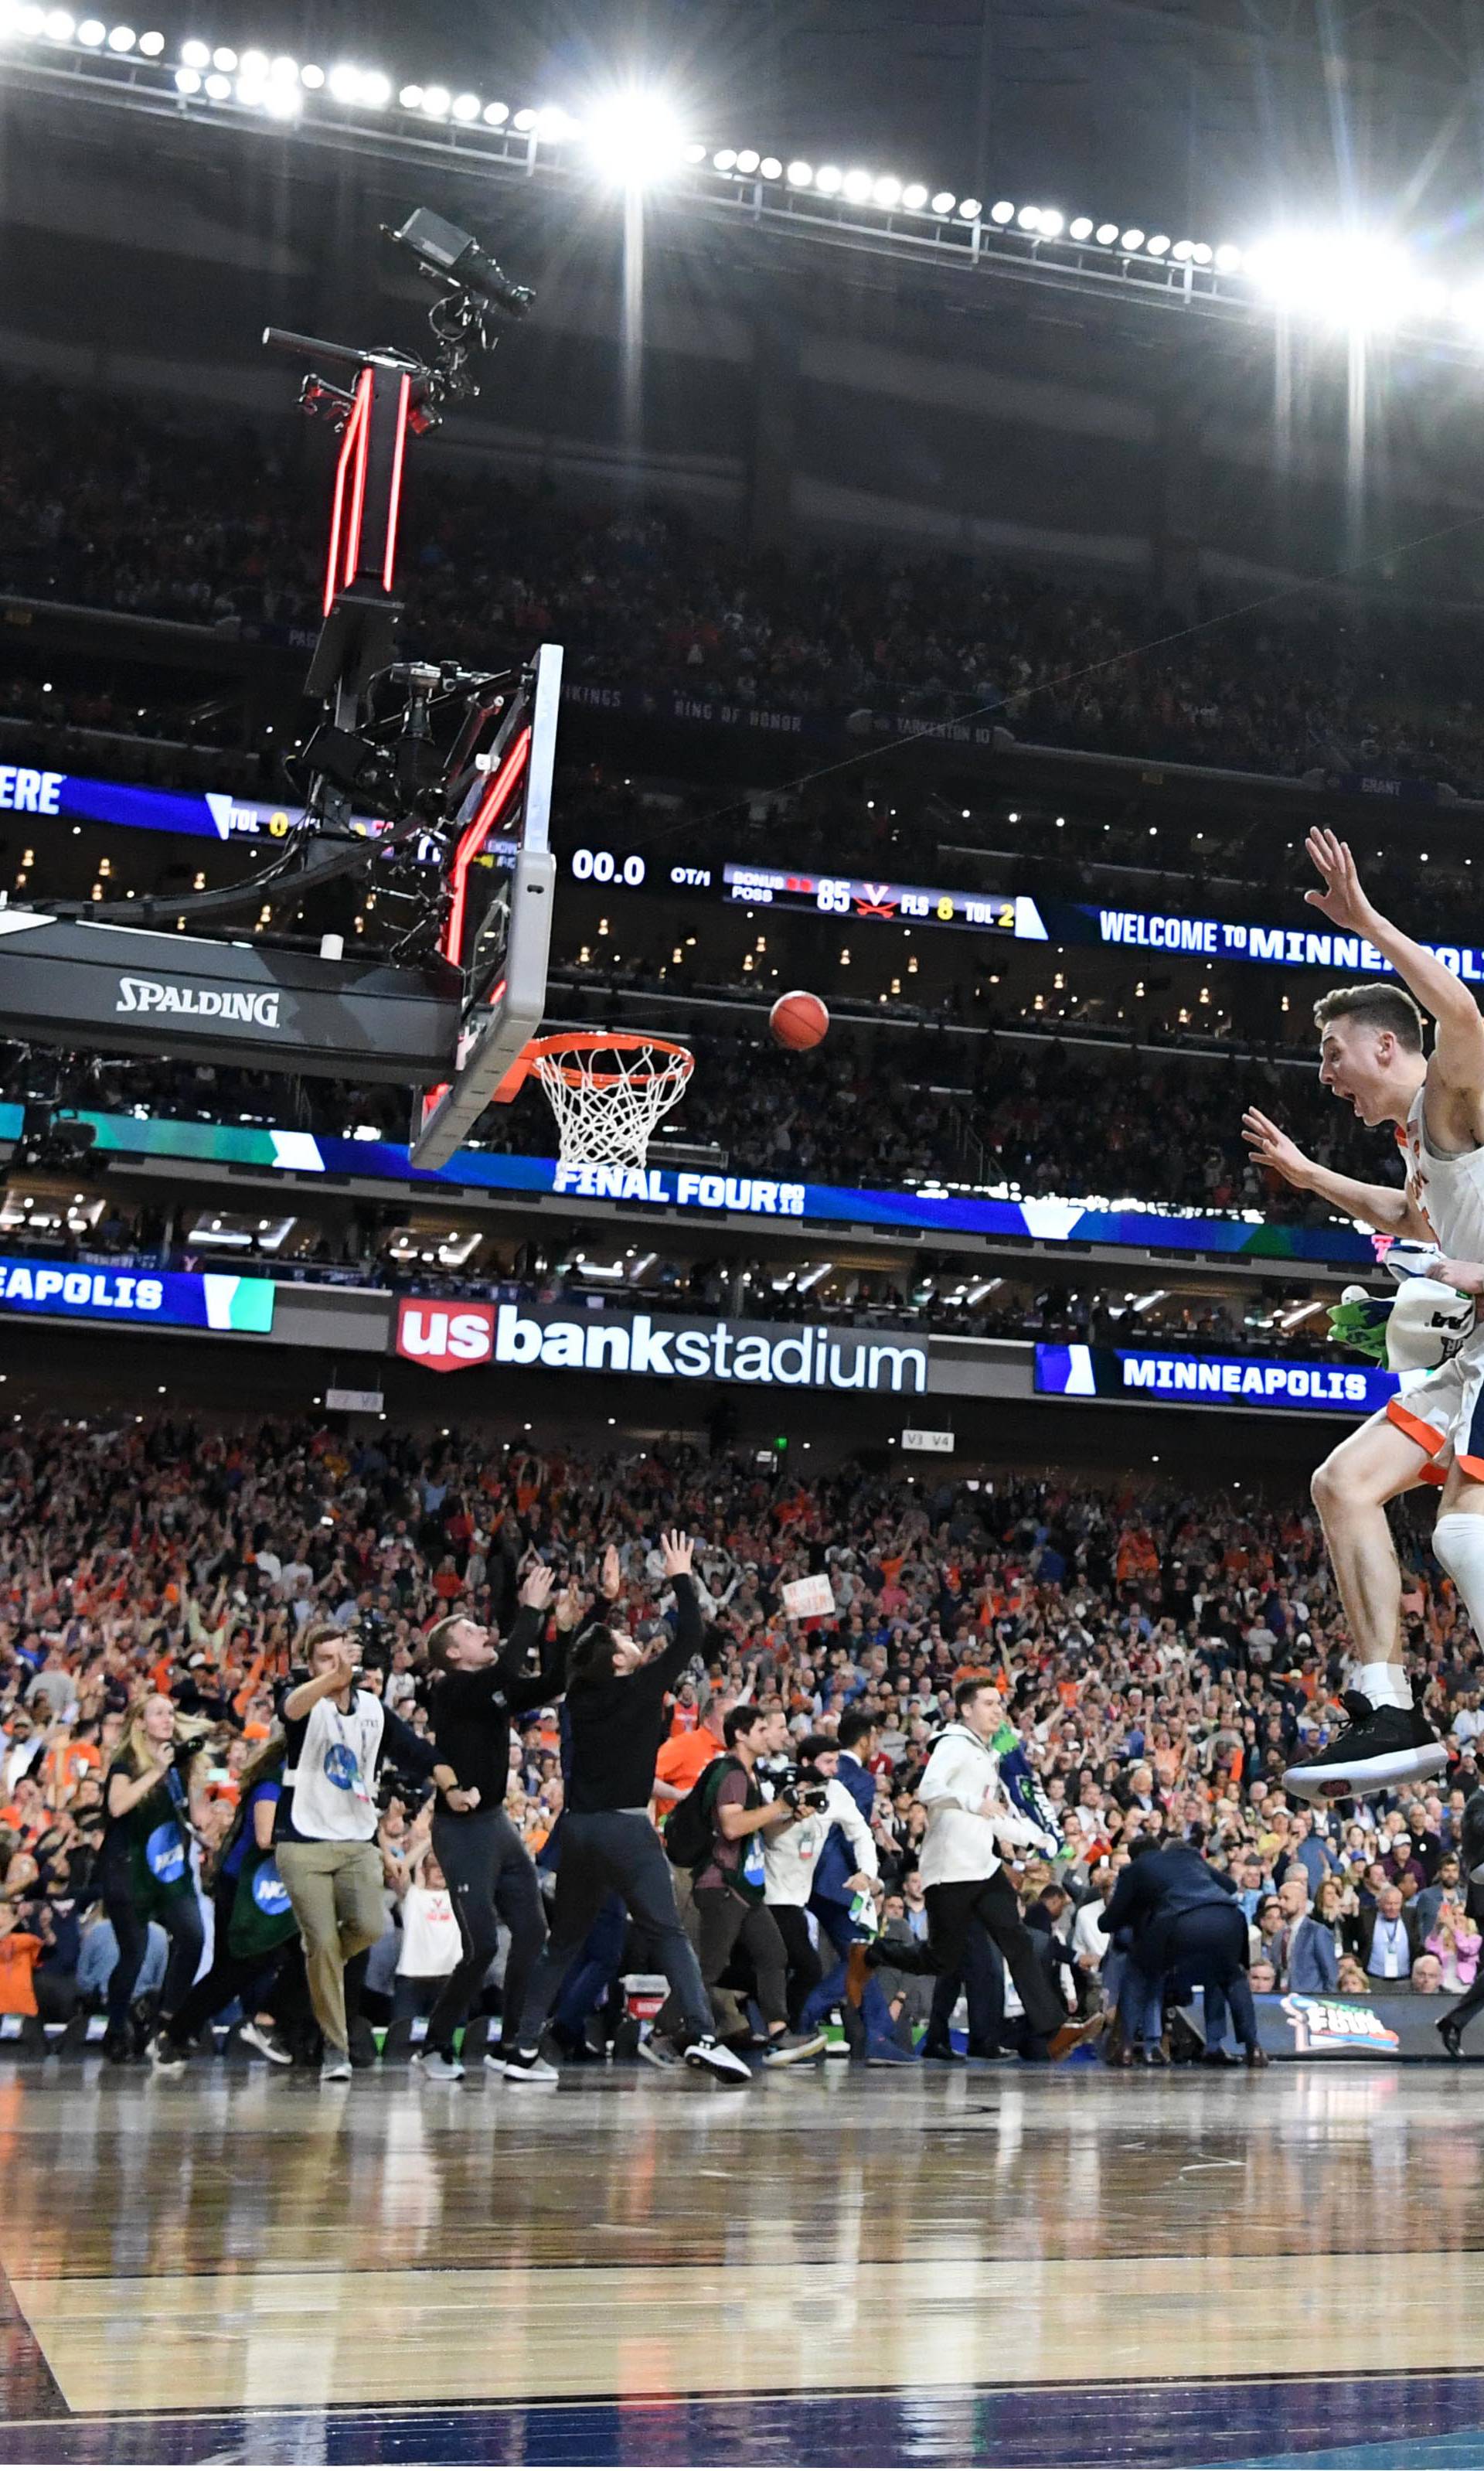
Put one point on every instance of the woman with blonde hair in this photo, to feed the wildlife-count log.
(152, 1807)
(256, 1939)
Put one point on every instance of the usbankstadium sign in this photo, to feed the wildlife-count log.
(454, 1337)
(1337, 1388)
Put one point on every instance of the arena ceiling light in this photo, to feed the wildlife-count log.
(635, 140)
(1359, 281)
(1356, 281)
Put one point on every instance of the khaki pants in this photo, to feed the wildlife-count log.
(336, 1891)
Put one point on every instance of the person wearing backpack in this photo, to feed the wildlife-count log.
(731, 1880)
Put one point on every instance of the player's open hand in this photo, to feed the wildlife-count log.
(676, 1549)
(1272, 1148)
(1342, 900)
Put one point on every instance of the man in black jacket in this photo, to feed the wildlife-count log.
(1182, 1918)
(615, 1708)
(478, 1687)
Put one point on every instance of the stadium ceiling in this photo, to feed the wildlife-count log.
(1354, 281)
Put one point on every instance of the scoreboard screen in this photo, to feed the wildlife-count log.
(850, 896)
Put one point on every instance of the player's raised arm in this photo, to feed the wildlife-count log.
(1386, 1207)
(1458, 1052)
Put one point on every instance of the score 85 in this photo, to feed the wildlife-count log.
(832, 893)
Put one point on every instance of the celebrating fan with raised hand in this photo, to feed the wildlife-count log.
(1372, 1055)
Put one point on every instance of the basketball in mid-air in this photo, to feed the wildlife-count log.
(799, 1020)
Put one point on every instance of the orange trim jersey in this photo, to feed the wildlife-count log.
(1444, 1412)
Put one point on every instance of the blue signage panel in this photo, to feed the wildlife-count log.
(1172, 1381)
(175, 1299)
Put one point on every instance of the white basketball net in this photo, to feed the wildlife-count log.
(607, 1100)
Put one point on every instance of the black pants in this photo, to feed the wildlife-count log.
(952, 1912)
(729, 1920)
(614, 1851)
(231, 1976)
(805, 1972)
(180, 1917)
(1209, 1945)
(490, 1878)
(1469, 2006)
(982, 1983)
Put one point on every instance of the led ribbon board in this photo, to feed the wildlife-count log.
(1180, 1380)
(174, 1299)
(749, 1197)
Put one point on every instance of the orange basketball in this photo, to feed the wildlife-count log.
(799, 1020)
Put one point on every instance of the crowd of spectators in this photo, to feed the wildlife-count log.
(1163, 1656)
(129, 510)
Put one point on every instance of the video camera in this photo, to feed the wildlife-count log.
(801, 1789)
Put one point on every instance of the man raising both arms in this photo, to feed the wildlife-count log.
(1371, 1054)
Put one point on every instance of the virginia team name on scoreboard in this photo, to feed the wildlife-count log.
(851, 896)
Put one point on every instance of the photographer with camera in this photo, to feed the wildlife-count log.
(791, 1858)
(732, 1881)
(324, 1836)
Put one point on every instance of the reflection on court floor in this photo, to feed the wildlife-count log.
(997, 2265)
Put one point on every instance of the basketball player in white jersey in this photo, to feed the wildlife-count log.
(1371, 1054)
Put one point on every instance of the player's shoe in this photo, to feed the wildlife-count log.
(1379, 1747)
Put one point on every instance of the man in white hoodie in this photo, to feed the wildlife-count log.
(969, 1818)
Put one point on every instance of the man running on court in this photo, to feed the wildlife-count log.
(1371, 1053)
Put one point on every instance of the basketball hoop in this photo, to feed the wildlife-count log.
(607, 1090)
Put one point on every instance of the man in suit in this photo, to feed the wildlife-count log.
(1183, 1922)
(1304, 1951)
(1390, 1942)
(1451, 2027)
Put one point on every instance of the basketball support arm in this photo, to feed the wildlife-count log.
(459, 1016)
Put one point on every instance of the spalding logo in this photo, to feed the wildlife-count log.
(202, 1003)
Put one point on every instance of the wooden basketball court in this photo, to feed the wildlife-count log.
(998, 2265)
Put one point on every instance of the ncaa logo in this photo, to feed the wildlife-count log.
(341, 1766)
(165, 1853)
(268, 1892)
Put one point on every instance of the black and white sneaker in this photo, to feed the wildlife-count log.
(529, 2067)
(786, 2050)
(263, 2039)
(660, 2051)
(717, 2061)
(1379, 1747)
